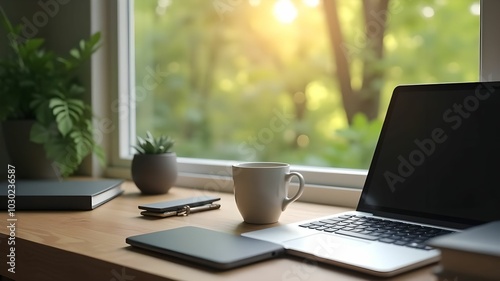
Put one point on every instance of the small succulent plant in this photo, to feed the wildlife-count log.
(152, 145)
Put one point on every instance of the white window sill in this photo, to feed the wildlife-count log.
(215, 175)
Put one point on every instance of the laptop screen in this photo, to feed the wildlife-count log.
(438, 156)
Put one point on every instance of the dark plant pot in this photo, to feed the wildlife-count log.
(28, 157)
(154, 173)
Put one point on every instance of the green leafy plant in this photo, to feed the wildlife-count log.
(152, 145)
(37, 84)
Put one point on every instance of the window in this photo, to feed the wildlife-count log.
(238, 80)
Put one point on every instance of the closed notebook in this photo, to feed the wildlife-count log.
(474, 252)
(58, 195)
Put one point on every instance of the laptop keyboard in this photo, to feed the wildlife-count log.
(376, 229)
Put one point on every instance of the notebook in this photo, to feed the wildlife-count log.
(435, 166)
(58, 195)
(473, 254)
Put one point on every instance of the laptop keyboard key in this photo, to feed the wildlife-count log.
(310, 226)
(331, 221)
(387, 240)
(357, 235)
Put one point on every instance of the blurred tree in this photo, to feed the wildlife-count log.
(367, 98)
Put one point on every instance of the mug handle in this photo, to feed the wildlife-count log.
(288, 200)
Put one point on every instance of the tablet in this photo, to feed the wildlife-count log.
(207, 247)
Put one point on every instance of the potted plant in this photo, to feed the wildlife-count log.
(40, 94)
(154, 166)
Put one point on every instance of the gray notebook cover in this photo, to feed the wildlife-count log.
(483, 239)
(59, 195)
(207, 247)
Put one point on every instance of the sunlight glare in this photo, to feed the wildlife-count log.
(311, 3)
(162, 6)
(428, 12)
(303, 141)
(285, 11)
(254, 3)
(475, 9)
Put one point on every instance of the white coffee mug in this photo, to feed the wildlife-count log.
(261, 190)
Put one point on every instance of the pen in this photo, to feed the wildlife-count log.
(184, 211)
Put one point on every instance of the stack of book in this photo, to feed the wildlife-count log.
(473, 254)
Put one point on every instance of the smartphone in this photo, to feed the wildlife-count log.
(174, 205)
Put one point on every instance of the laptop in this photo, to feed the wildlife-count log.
(434, 171)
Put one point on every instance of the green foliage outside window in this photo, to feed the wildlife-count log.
(253, 80)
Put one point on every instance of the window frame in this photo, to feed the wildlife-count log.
(331, 186)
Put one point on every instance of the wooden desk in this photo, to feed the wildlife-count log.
(90, 245)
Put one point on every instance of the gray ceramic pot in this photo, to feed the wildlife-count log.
(154, 173)
(29, 158)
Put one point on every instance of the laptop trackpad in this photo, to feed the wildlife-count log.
(327, 246)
